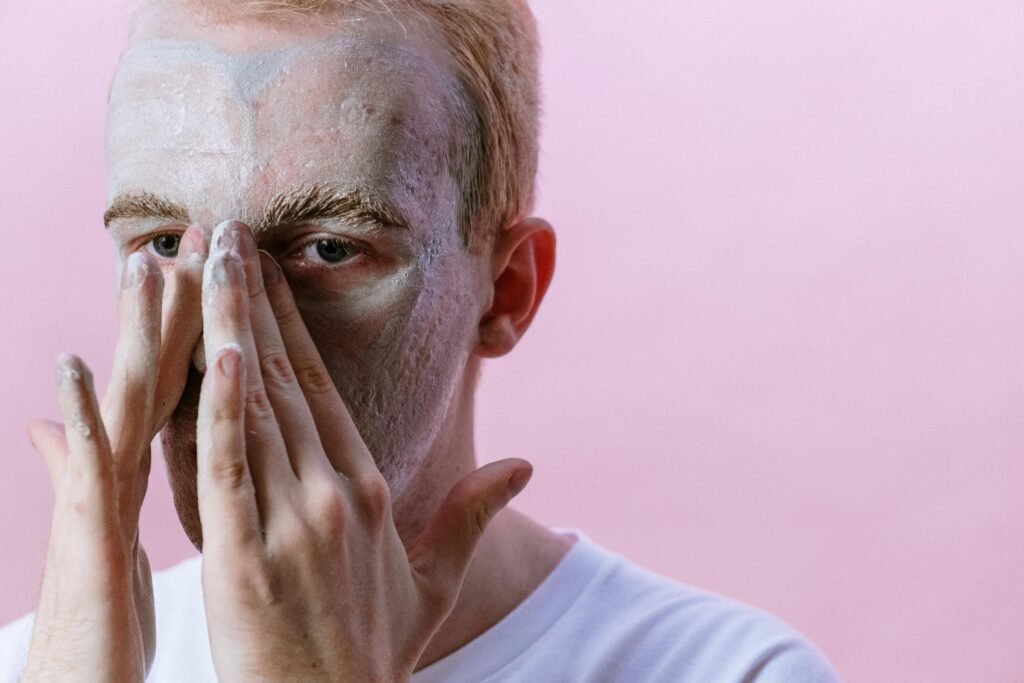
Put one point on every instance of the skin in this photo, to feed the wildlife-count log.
(384, 347)
(376, 323)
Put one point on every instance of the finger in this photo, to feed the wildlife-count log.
(227, 497)
(182, 323)
(291, 412)
(226, 321)
(133, 375)
(88, 470)
(298, 429)
(129, 402)
(47, 438)
(142, 591)
(442, 553)
(338, 434)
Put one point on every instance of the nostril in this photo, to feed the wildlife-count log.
(199, 356)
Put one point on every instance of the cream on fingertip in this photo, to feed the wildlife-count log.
(135, 270)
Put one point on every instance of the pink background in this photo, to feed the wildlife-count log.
(782, 357)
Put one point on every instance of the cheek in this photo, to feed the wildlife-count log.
(395, 326)
(357, 323)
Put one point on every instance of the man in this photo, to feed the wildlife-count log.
(322, 213)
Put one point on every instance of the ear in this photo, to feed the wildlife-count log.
(522, 264)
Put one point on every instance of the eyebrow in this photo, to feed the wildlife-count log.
(144, 205)
(301, 204)
(310, 202)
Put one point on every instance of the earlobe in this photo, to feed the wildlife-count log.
(522, 265)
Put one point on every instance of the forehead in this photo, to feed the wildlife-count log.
(235, 114)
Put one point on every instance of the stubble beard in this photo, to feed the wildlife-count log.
(398, 414)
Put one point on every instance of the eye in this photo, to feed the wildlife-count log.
(166, 245)
(330, 250)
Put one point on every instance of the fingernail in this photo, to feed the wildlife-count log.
(234, 236)
(226, 270)
(518, 481)
(270, 268)
(135, 270)
(69, 369)
(229, 360)
(194, 245)
(225, 238)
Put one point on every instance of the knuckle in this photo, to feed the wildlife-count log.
(439, 596)
(276, 366)
(330, 509)
(482, 517)
(230, 473)
(227, 412)
(462, 493)
(262, 587)
(373, 497)
(257, 404)
(86, 426)
(289, 533)
(314, 378)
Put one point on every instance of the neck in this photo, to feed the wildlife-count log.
(514, 555)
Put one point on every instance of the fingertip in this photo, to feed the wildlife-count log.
(223, 269)
(144, 261)
(132, 272)
(70, 368)
(41, 424)
(49, 441)
(270, 268)
(68, 359)
(139, 269)
(194, 244)
(151, 271)
(41, 432)
(234, 236)
(518, 481)
(31, 428)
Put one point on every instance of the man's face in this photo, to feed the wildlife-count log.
(265, 125)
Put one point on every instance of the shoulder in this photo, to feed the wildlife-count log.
(656, 629)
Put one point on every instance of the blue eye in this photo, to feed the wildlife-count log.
(333, 250)
(166, 245)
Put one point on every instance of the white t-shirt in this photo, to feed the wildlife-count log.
(596, 618)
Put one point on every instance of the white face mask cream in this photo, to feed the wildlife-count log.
(201, 119)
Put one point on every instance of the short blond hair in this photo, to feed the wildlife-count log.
(494, 139)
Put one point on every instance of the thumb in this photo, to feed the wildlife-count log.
(442, 552)
(48, 439)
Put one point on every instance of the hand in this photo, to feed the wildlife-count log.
(304, 574)
(95, 620)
